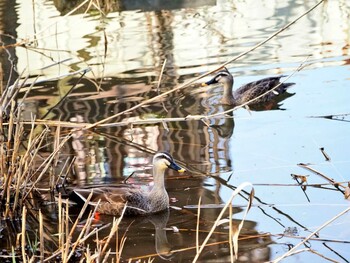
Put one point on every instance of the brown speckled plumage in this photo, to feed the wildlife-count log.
(113, 199)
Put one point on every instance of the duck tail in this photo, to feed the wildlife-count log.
(287, 85)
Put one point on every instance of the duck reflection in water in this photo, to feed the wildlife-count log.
(162, 246)
(225, 128)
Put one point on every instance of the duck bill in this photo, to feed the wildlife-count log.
(212, 81)
(177, 168)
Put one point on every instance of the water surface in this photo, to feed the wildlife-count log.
(126, 49)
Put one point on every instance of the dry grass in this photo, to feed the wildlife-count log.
(29, 154)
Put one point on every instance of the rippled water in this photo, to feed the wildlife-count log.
(126, 49)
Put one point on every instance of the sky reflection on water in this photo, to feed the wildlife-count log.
(262, 147)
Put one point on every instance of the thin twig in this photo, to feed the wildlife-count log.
(332, 181)
(197, 227)
(41, 236)
(23, 237)
(311, 235)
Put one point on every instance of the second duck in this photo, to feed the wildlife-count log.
(250, 90)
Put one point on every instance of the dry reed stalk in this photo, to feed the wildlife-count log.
(206, 74)
(2, 147)
(67, 248)
(160, 76)
(67, 236)
(158, 87)
(64, 246)
(114, 229)
(25, 164)
(53, 123)
(23, 234)
(10, 94)
(82, 232)
(311, 235)
(197, 226)
(63, 177)
(60, 226)
(330, 180)
(47, 162)
(230, 236)
(323, 256)
(41, 236)
(27, 91)
(313, 239)
(121, 246)
(1, 82)
(17, 165)
(61, 249)
(90, 220)
(57, 143)
(219, 218)
(8, 175)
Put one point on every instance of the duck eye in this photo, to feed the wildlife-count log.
(218, 78)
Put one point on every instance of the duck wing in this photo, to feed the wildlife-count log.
(112, 200)
(254, 89)
(102, 194)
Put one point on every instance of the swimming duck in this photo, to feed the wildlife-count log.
(248, 91)
(138, 202)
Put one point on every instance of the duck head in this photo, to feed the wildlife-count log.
(163, 160)
(226, 79)
(223, 76)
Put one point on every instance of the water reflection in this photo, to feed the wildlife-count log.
(127, 5)
(126, 49)
(171, 236)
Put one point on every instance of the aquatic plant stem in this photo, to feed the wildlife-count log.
(206, 74)
(23, 235)
(41, 236)
(197, 228)
(311, 235)
(114, 229)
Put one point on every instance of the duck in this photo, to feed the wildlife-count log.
(248, 91)
(112, 200)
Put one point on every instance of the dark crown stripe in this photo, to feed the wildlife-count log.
(163, 155)
(223, 73)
